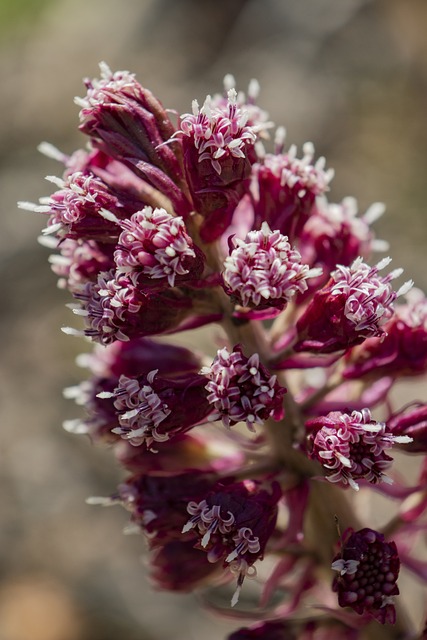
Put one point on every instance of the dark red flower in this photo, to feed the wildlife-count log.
(368, 568)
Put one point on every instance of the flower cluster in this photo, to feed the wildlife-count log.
(161, 227)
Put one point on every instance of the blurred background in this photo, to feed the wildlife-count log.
(349, 75)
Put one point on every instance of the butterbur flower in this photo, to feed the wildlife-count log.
(161, 228)
(335, 234)
(352, 447)
(368, 568)
(79, 261)
(129, 123)
(234, 523)
(74, 210)
(354, 305)
(151, 409)
(158, 504)
(218, 152)
(284, 187)
(155, 250)
(264, 271)
(115, 309)
(242, 390)
(403, 348)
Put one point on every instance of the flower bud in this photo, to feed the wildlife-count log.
(354, 305)
(368, 568)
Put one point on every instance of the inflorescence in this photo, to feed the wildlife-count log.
(161, 227)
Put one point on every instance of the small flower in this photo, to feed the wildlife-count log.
(75, 208)
(131, 125)
(242, 390)
(218, 147)
(115, 309)
(151, 409)
(219, 132)
(370, 584)
(284, 187)
(402, 350)
(354, 305)
(234, 523)
(159, 503)
(352, 447)
(107, 365)
(80, 261)
(335, 234)
(157, 245)
(264, 271)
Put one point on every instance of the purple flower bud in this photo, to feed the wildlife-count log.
(334, 234)
(75, 209)
(284, 188)
(152, 409)
(80, 261)
(131, 124)
(115, 309)
(159, 503)
(264, 271)
(218, 144)
(368, 568)
(107, 365)
(402, 350)
(241, 389)
(352, 447)
(154, 249)
(234, 523)
(353, 306)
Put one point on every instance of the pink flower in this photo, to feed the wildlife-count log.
(234, 523)
(127, 122)
(284, 187)
(152, 409)
(352, 447)
(335, 234)
(242, 390)
(264, 271)
(218, 152)
(156, 246)
(354, 305)
(368, 568)
(403, 348)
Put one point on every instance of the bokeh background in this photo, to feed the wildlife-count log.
(350, 75)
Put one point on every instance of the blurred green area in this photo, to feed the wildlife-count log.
(20, 14)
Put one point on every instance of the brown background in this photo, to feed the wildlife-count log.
(350, 75)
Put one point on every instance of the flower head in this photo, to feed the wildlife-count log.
(218, 147)
(368, 568)
(335, 234)
(234, 522)
(352, 447)
(264, 271)
(115, 309)
(285, 187)
(403, 348)
(156, 245)
(354, 305)
(151, 409)
(242, 390)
